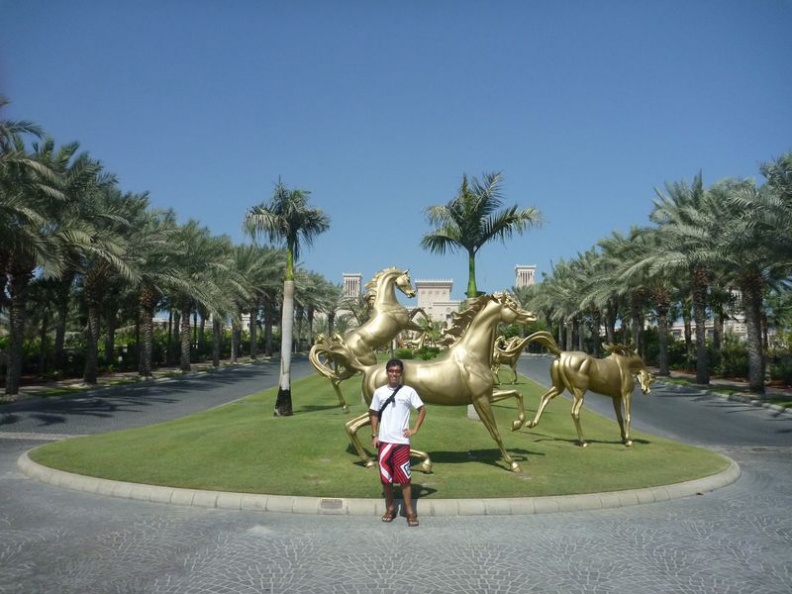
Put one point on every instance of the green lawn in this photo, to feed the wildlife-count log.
(242, 447)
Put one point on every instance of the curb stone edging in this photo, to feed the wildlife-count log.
(372, 507)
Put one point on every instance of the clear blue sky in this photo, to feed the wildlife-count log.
(378, 108)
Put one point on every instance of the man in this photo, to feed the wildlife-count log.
(390, 430)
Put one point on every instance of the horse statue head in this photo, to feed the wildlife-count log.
(380, 288)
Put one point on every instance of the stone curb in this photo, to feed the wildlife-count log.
(755, 402)
(373, 507)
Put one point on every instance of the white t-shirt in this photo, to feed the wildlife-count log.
(396, 416)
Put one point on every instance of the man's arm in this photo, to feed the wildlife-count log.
(374, 425)
(418, 422)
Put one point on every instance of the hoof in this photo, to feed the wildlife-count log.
(531, 424)
(345, 408)
(517, 425)
(514, 467)
(628, 442)
(425, 467)
(583, 444)
(369, 463)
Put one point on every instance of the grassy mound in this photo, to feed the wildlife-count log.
(242, 447)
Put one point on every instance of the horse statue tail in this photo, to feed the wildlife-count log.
(546, 339)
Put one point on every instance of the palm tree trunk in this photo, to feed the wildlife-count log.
(283, 402)
(110, 328)
(700, 320)
(62, 315)
(146, 346)
(662, 339)
(18, 285)
(184, 335)
(752, 304)
(217, 334)
(91, 371)
(235, 339)
(687, 321)
(472, 290)
(42, 366)
(254, 332)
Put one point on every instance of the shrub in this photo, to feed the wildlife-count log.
(403, 354)
(781, 369)
(733, 358)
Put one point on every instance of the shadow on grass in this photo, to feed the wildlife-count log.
(576, 443)
(491, 457)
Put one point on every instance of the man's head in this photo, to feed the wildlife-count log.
(394, 367)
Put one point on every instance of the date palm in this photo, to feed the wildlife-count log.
(690, 223)
(287, 220)
(755, 249)
(206, 266)
(105, 260)
(31, 234)
(474, 218)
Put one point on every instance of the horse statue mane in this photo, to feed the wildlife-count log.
(372, 286)
(619, 349)
(460, 320)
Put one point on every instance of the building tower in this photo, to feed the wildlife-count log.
(352, 281)
(525, 275)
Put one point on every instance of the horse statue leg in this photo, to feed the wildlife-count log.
(514, 372)
(496, 374)
(352, 427)
(543, 402)
(426, 465)
(624, 421)
(483, 406)
(337, 387)
(576, 406)
(502, 395)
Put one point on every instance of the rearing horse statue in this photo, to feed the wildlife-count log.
(579, 372)
(461, 375)
(508, 352)
(333, 357)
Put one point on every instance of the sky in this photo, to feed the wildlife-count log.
(379, 108)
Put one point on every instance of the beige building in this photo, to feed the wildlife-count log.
(434, 297)
(352, 283)
(525, 275)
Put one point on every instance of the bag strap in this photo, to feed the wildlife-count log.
(391, 398)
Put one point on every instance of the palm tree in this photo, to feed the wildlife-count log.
(287, 220)
(153, 246)
(105, 260)
(261, 267)
(31, 236)
(206, 267)
(472, 219)
(690, 222)
(755, 251)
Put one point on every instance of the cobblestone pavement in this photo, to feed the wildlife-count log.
(733, 540)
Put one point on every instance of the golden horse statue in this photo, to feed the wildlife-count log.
(507, 352)
(459, 376)
(333, 357)
(579, 372)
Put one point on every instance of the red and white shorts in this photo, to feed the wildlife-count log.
(394, 463)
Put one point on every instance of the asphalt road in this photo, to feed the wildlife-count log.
(733, 540)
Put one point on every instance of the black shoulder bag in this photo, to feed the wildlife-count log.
(391, 398)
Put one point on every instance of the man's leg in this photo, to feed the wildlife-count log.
(388, 490)
(407, 495)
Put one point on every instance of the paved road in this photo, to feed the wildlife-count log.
(733, 540)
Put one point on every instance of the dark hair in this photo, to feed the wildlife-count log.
(395, 363)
